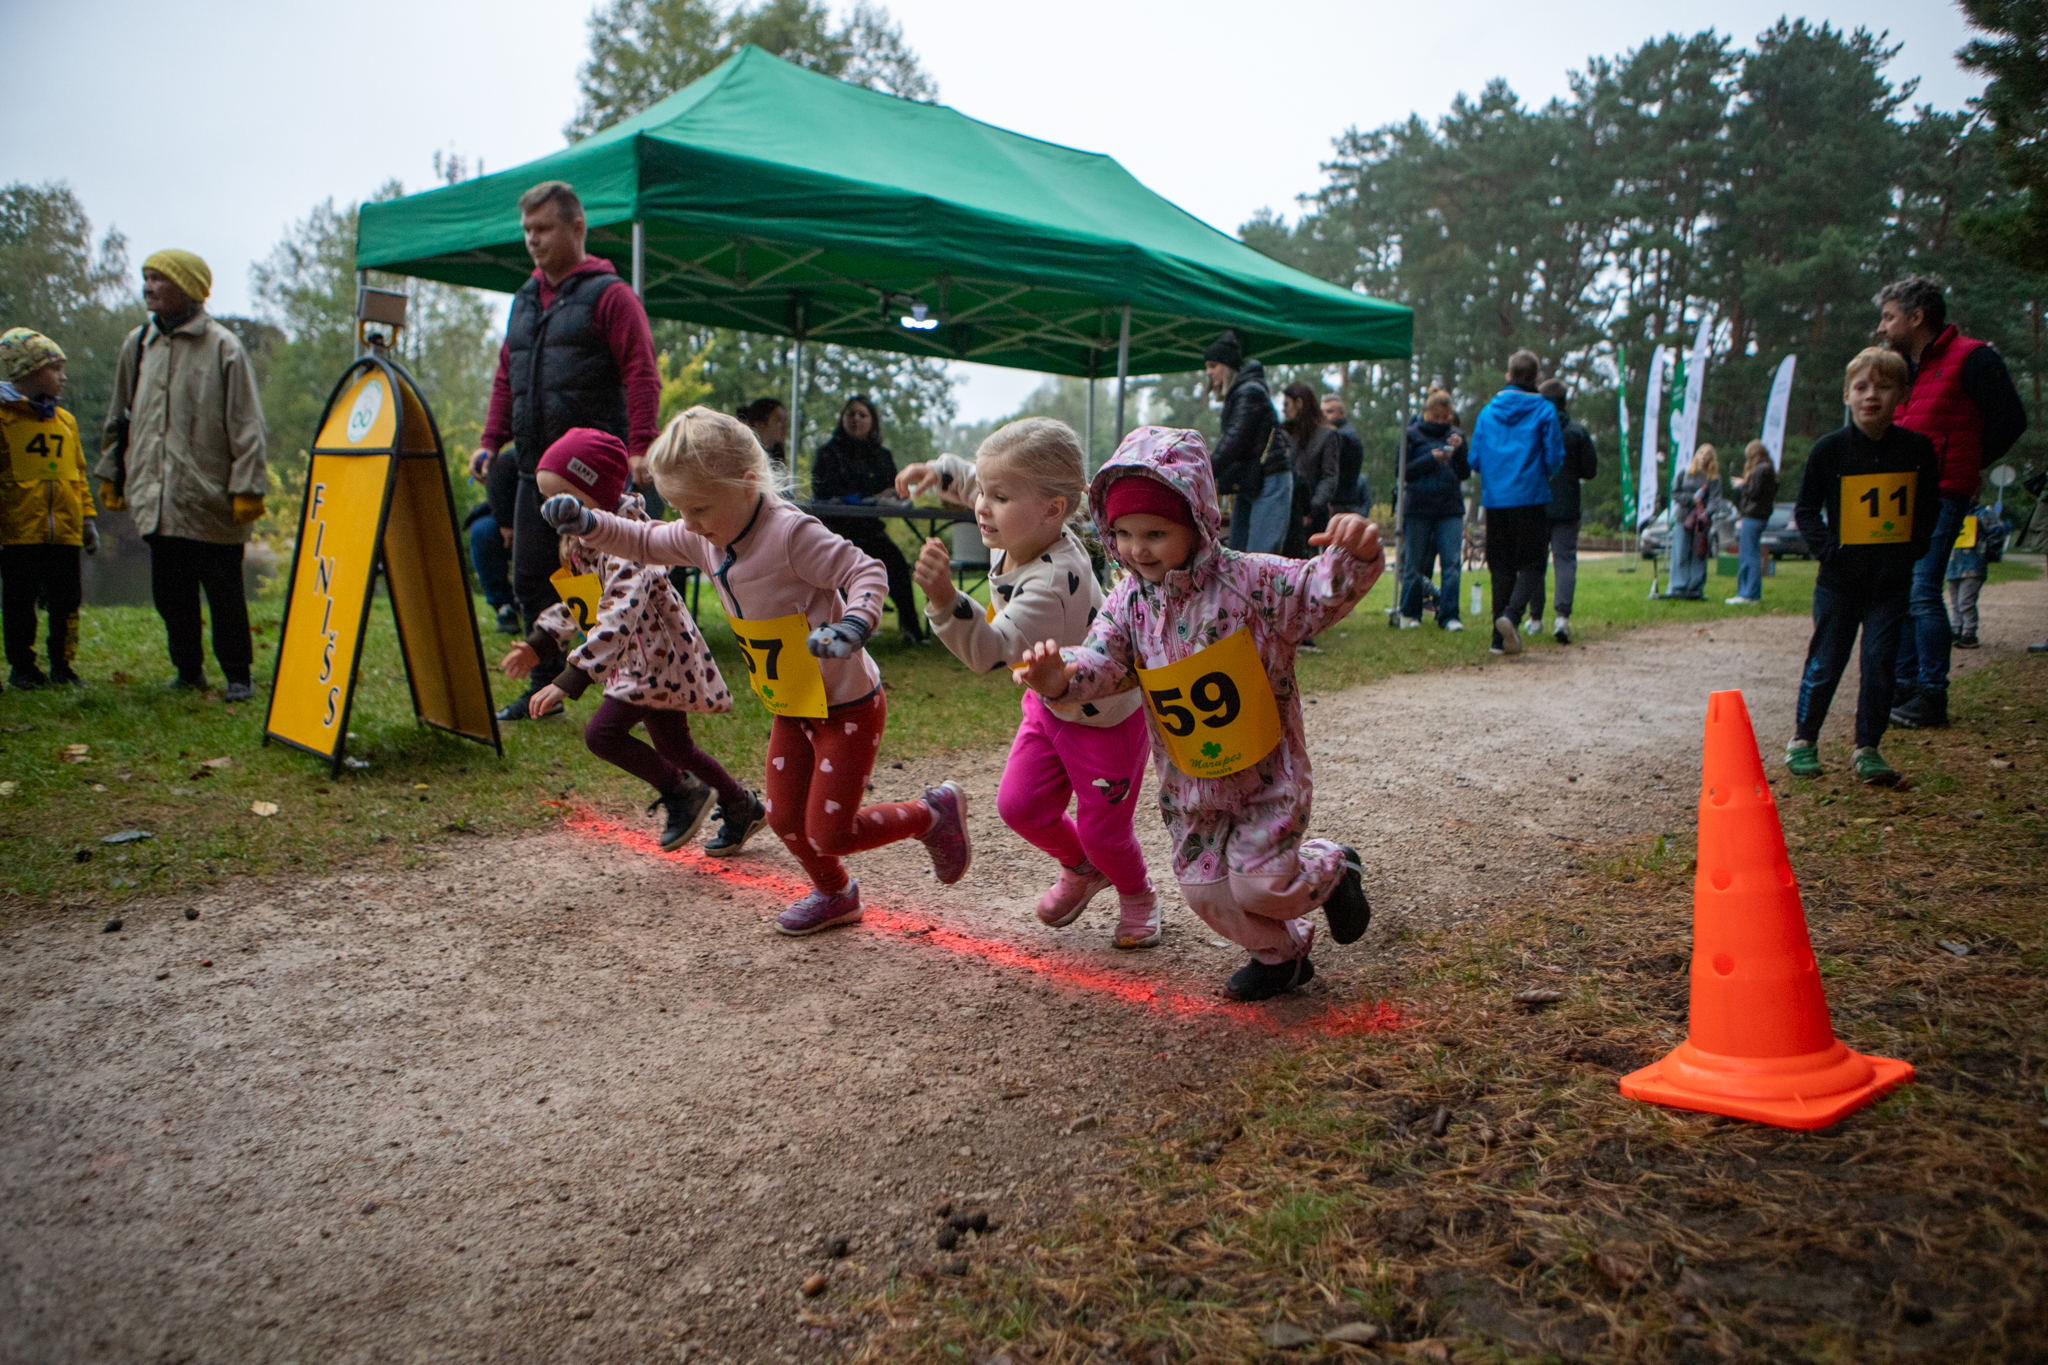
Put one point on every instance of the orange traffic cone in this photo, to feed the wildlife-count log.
(1761, 1046)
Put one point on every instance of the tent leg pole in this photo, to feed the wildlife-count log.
(1088, 423)
(640, 260)
(796, 397)
(362, 279)
(1123, 370)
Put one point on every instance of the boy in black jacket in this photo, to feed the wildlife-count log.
(1867, 508)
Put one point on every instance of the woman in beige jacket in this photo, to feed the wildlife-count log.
(183, 453)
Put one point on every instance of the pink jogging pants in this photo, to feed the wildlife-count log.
(1101, 769)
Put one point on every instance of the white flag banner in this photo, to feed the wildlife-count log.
(1775, 410)
(1686, 429)
(1653, 402)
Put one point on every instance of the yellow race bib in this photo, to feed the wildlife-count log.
(1877, 509)
(580, 593)
(780, 666)
(42, 450)
(1966, 539)
(1215, 708)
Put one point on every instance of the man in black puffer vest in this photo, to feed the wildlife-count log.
(577, 353)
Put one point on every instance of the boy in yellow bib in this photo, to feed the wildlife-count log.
(1867, 508)
(46, 511)
(1208, 635)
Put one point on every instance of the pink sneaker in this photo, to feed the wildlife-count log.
(1069, 896)
(1137, 920)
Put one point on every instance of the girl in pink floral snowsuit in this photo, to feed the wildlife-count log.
(1238, 854)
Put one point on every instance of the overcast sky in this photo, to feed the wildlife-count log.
(214, 125)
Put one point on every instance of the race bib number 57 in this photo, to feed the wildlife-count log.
(1877, 509)
(780, 667)
(1215, 708)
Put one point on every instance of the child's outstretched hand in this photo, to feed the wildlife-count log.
(521, 661)
(917, 478)
(934, 573)
(1043, 670)
(1354, 534)
(545, 702)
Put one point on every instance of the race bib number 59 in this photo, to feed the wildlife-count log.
(1215, 708)
(1877, 509)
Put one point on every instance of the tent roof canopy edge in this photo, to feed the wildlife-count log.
(901, 226)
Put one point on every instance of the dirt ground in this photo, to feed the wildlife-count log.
(564, 1098)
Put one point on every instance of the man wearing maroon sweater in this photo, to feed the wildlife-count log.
(577, 353)
(1963, 400)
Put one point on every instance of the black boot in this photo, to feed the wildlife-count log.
(1928, 710)
(1258, 981)
(1347, 909)
(687, 807)
(736, 825)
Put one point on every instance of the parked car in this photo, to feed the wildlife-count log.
(1781, 538)
(1655, 538)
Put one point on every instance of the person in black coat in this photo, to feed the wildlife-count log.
(1352, 495)
(1246, 454)
(1581, 462)
(1433, 465)
(854, 466)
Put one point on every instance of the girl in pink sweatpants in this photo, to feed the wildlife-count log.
(1026, 482)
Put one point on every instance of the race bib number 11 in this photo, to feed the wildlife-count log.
(1877, 509)
(1215, 708)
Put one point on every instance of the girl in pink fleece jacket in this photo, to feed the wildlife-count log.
(1208, 635)
(802, 602)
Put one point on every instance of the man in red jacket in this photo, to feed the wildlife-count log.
(577, 353)
(1964, 401)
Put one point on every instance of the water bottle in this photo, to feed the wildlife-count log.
(1476, 600)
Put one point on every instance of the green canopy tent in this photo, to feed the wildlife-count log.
(772, 199)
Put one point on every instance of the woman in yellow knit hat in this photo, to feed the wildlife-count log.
(183, 452)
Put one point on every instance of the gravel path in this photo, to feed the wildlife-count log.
(563, 1098)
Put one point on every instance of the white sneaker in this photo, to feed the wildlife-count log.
(1560, 625)
(1531, 626)
(1510, 641)
(1741, 601)
(1409, 623)
(1454, 624)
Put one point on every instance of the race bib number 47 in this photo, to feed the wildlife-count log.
(783, 671)
(1215, 708)
(1877, 509)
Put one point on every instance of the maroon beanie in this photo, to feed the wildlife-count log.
(594, 461)
(1141, 495)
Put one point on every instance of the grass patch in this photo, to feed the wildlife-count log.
(1474, 1187)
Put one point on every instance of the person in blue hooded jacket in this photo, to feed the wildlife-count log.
(1517, 446)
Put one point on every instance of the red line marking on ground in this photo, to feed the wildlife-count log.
(1380, 1017)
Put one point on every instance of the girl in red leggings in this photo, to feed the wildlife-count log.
(802, 602)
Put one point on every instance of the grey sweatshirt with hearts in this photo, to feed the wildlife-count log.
(1053, 596)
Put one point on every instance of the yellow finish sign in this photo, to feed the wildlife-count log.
(330, 602)
(1966, 539)
(1215, 708)
(1877, 509)
(377, 502)
(580, 593)
(780, 666)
